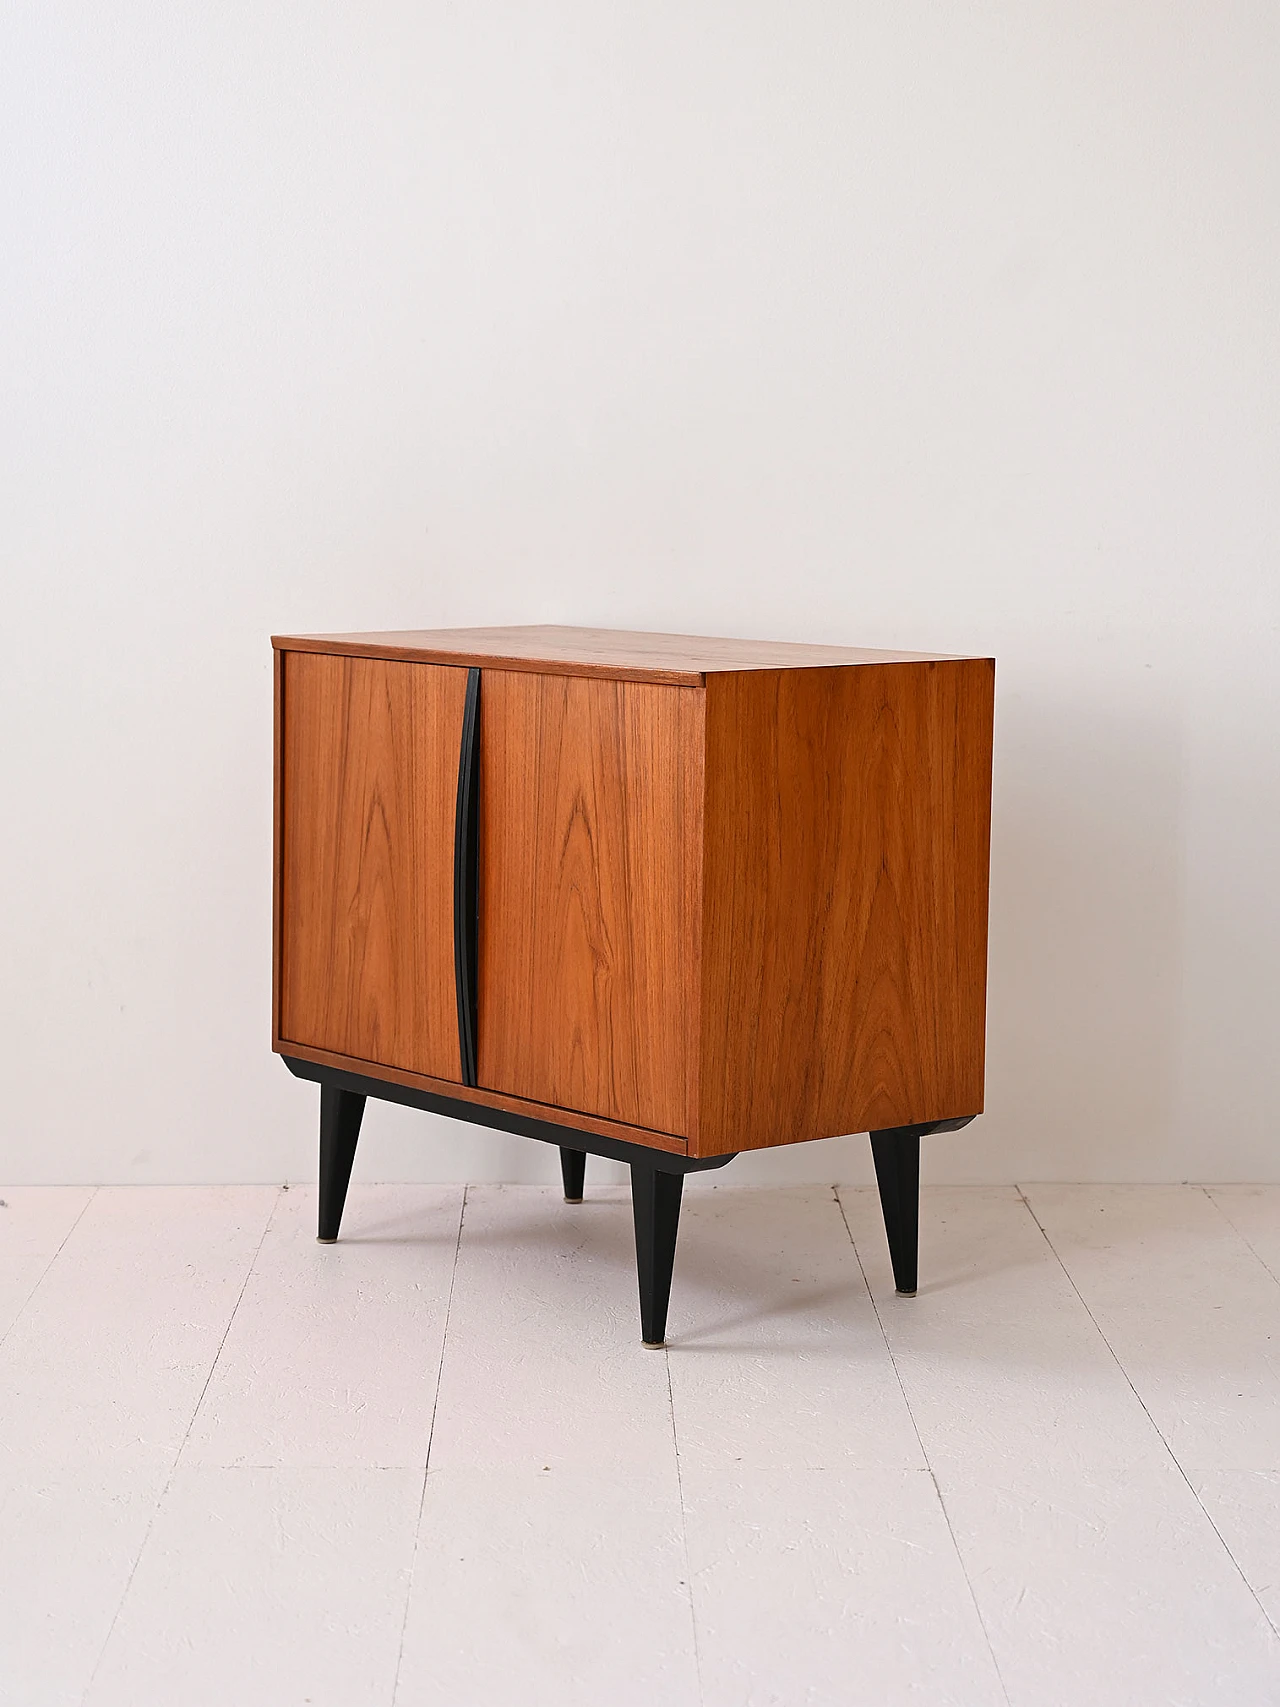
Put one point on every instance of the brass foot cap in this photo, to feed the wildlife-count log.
(326, 1241)
(573, 1200)
(903, 1293)
(654, 1345)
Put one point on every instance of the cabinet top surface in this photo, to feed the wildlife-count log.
(685, 658)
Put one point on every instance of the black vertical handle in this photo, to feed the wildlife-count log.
(466, 878)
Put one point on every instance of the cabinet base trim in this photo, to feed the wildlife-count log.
(501, 1119)
(644, 1136)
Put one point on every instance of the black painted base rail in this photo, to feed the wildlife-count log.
(657, 1178)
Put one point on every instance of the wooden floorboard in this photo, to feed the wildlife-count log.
(434, 1462)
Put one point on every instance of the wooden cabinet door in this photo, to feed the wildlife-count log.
(590, 895)
(368, 781)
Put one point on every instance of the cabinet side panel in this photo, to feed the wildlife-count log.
(845, 927)
(277, 839)
(590, 902)
(370, 770)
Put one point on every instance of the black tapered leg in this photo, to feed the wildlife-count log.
(573, 1171)
(897, 1158)
(655, 1202)
(340, 1115)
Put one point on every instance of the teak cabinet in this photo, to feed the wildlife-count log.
(647, 896)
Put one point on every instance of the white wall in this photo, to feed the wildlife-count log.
(942, 326)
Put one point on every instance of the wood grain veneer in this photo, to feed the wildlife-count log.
(731, 894)
(845, 900)
(277, 839)
(678, 658)
(591, 806)
(369, 766)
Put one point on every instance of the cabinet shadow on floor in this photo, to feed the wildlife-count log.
(725, 1283)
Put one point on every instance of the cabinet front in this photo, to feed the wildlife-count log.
(368, 780)
(590, 894)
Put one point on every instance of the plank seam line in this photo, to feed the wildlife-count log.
(1208, 1191)
(684, 1527)
(39, 1280)
(1173, 1457)
(946, 1515)
(177, 1457)
(431, 1431)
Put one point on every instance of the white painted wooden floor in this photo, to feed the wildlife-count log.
(433, 1464)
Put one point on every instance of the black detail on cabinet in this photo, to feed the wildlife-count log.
(655, 1207)
(466, 878)
(573, 1171)
(502, 1119)
(896, 1153)
(340, 1114)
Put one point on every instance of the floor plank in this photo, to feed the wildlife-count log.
(741, 1520)
(550, 1556)
(823, 1567)
(34, 1222)
(1190, 1311)
(1097, 1573)
(1109, 1586)
(265, 1587)
(1000, 1360)
(70, 1538)
(1244, 1506)
(334, 1354)
(554, 1588)
(831, 1589)
(777, 1358)
(544, 1364)
(1254, 1212)
(109, 1358)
